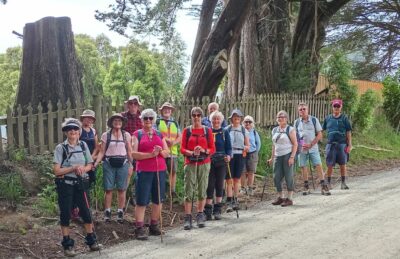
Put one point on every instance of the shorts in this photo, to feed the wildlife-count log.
(196, 183)
(250, 162)
(335, 154)
(174, 164)
(236, 167)
(115, 177)
(147, 185)
(314, 157)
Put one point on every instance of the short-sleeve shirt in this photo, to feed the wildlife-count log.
(237, 138)
(336, 128)
(75, 157)
(308, 132)
(283, 144)
(117, 146)
(147, 145)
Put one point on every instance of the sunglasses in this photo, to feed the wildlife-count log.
(336, 106)
(302, 109)
(248, 122)
(72, 128)
(148, 118)
(198, 115)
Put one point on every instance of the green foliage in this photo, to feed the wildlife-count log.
(265, 152)
(47, 204)
(391, 99)
(17, 154)
(43, 164)
(11, 189)
(364, 114)
(338, 71)
(297, 74)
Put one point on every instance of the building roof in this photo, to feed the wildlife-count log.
(362, 85)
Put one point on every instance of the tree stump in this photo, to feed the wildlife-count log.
(50, 70)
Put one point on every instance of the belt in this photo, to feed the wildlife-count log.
(237, 148)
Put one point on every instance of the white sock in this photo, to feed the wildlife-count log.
(108, 209)
(120, 210)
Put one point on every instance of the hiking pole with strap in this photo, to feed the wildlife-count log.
(311, 170)
(159, 200)
(233, 191)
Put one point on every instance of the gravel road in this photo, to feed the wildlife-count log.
(363, 222)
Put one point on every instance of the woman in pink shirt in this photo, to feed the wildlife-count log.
(150, 150)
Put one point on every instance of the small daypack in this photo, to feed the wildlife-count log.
(201, 157)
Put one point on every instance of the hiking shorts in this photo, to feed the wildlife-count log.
(147, 185)
(115, 177)
(236, 167)
(314, 157)
(335, 153)
(196, 182)
(283, 170)
(174, 164)
(250, 162)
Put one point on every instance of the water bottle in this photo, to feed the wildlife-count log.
(301, 143)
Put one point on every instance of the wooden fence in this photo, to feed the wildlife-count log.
(39, 132)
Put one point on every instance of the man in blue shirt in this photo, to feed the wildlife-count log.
(212, 107)
(338, 129)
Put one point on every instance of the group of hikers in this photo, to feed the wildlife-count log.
(221, 158)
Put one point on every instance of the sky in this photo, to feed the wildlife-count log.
(16, 13)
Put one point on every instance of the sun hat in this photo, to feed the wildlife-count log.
(88, 114)
(114, 116)
(167, 105)
(133, 98)
(70, 123)
(237, 112)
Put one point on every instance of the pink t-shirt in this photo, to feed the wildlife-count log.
(146, 145)
(117, 146)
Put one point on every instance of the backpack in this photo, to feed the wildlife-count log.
(188, 134)
(109, 140)
(296, 126)
(341, 129)
(67, 155)
(140, 134)
(229, 129)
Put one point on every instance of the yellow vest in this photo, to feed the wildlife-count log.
(170, 131)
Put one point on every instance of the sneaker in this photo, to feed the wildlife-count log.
(140, 233)
(75, 214)
(69, 251)
(201, 220)
(229, 207)
(344, 186)
(278, 201)
(107, 216)
(235, 204)
(154, 230)
(325, 190)
(120, 217)
(187, 225)
(287, 202)
(306, 190)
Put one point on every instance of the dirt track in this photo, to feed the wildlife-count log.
(361, 222)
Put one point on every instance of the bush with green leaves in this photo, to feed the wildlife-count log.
(364, 114)
(391, 99)
(11, 188)
(47, 204)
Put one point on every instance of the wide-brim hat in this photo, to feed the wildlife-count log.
(116, 115)
(134, 98)
(88, 114)
(166, 105)
(237, 112)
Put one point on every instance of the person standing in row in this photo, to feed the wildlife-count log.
(310, 132)
(219, 160)
(197, 146)
(206, 121)
(284, 148)
(171, 132)
(338, 129)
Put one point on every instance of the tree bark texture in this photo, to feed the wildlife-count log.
(50, 70)
(204, 28)
(205, 77)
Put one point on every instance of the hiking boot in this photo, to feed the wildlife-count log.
(325, 190)
(229, 206)
(187, 225)
(235, 204)
(208, 211)
(278, 201)
(306, 190)
(68, 244)
(120, 217)
(107, 216)
(217, 211)
(250, 191)
(69, 251)
(154, 230)
(91, 241)
(201, 220)
(344, 186)
(287, 202)
(140, 233)
(75, 214)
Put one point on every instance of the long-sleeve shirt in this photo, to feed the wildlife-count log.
(255, 141)
(207, 122)
(197, 138)
(222, 141)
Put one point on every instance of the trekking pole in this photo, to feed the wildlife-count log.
(159, 200)
(233, 191)
(311, 170)
(195, 181)
(170, 186)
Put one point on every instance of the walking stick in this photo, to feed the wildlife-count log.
(170, 185)
(311, 171)
(195, 180)
(159, 200)
(233, 191)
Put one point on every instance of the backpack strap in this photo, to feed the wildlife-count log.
(67, 155)
(108, 141)
(255, 136)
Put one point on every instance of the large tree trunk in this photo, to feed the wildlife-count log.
(205, 24)
(209, 69)
(50, 69)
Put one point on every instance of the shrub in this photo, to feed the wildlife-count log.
(11, 189)
(46, 204)
(391, 99)
(364, 114)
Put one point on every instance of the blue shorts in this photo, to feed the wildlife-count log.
(115, 177)
(335, 154)
(146, 186)
(314, 157)
(236, 166)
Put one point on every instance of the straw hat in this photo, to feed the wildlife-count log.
(114, 116)
(88, 114)
(167, 105)
(133, 98)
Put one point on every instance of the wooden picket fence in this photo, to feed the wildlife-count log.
(39, 132)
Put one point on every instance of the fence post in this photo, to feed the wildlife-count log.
(10, 128)
(31, 130)
(50, 126)
(40, 126)
(97, 110)
(59, 121)
(69, 108)
(20, 127)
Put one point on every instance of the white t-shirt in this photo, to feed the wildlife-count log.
(283, 144)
